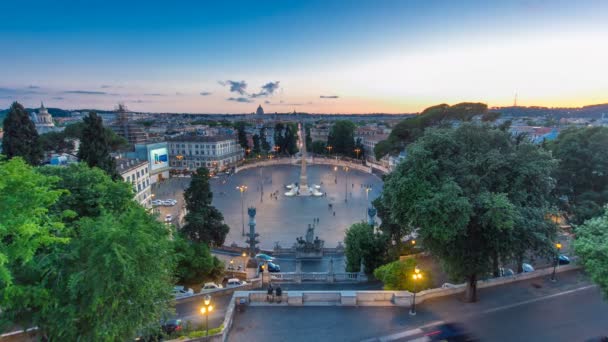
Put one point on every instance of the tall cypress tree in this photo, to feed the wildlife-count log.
(20, 136)
(95, 146)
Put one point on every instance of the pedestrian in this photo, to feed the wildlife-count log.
(279, 292)
(269, 294)
(334, 213)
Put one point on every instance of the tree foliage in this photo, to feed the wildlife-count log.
(20, 136)
(286, 138)
(204, 223)
(363, 245)
(115, 141)
(478, 196)
(256, 144)
(241, 134)
(264, 141)
(56, 142)
(582, 173)
(95, 147)
(342, 137)
(112, 274)
(319, 147)
(195, 262)
(410, 129)
(397, 276)
(591, 245)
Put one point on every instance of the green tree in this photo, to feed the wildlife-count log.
(591, 245)
(111, 281)
(362, 245)
(410, 129)
(115, 141)
(94, 146)
(582, 174)
(490, 116)
(20, 136)
(319, 147)
(195, 262)
(241, 134)
(56, 142)
(265, 145)
(478, 195)
(89, 191)
(308, 137)
(397, 276)
(342, 137)
(256, 144)
(204, 223)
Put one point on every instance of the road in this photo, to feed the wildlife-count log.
(572, 309)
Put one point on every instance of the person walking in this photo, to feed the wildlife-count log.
(279, 292)
(270, 294)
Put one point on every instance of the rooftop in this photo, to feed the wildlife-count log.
(124, 165)
(202, 138)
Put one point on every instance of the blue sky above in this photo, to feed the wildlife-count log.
(328, 56)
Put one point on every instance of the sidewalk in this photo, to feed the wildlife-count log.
(526, 309)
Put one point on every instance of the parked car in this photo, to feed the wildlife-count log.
(235, 282)
(157, 202)
(168, 218)
(180, 292)
(210, 286)
(505, 272)
(563, 259)
(169, 203)
(527, 268)
(272, 267)
(171, 326)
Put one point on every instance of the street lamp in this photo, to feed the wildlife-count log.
(206, 310)
(336, 174)
(346, 185)
(242, 189)
(357, 150)
(558, 247)
(416, 276)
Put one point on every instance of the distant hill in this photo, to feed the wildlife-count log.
(592, 111)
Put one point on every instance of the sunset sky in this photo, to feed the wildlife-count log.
(312, 56)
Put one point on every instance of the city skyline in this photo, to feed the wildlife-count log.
(318, 57)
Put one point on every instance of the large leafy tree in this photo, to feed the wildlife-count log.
(89, 191)
(256, 144)
(582, 174)
(20, 136)
(204, 223)
(477, 196)
(95, 147)
(27, 227)
(241, 134)
(363, 245)
(195, 262)
(342, 137)
(110, 279)
(265, 144)
(397, 275)
(56, 142)
(591, 245)
(113, 279)
(115, 141)
(410, 129)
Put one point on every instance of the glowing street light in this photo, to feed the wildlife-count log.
(346, 185)
(558, 247)
(242, 189)
(357, 150)
(416, 277)
(206, 310)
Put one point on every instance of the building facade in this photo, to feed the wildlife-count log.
(217, 153)
(157, 155)
(137, 173)
(44, 121)
(129, 130)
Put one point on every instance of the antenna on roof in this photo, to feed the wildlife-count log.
(515, 101)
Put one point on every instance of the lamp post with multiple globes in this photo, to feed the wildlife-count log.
(206, 310)
(416, 276)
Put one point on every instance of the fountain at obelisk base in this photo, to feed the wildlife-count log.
(302, 188)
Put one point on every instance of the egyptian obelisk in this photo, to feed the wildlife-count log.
(303, 178)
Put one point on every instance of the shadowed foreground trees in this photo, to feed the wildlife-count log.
(478, 197)
(591, 245)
